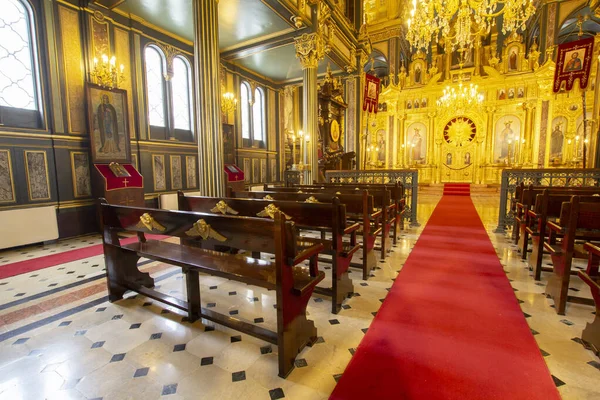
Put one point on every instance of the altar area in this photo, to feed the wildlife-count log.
(520, 123)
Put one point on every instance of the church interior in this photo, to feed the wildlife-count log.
(300, 199)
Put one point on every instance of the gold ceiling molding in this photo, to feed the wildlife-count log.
(386, 34)
(170, 53)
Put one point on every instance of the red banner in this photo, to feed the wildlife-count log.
(573, 61)
(371, 95)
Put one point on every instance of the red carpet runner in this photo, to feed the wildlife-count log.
(22, 267)
(457, 189)
(451, 327)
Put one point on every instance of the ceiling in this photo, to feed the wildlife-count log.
(242, 23)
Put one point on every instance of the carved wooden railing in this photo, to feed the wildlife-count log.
(408, 177)
(511, 178)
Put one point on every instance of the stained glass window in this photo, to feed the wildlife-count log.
(154, 84)
(17, 53)
(258, 111)
(245, 109)
(181, 94)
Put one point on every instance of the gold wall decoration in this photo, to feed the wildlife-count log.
(7, 183)
(176, 173)
(100, 35)
(223, 208)
(310, 49)
(80, 170)
(190, 172)
(123, 54)
(73, 69)
(36, 170)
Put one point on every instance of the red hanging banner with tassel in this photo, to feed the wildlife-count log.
(573, 61)
(371, 95)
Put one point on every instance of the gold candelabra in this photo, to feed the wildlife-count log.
(106, 73)
(228, 103)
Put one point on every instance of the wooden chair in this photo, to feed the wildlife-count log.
(591, 276)
(293, 284)
(577, 220)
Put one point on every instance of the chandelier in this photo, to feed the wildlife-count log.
(228, 103)
(458, 22)
(461, 99)
(106, 73)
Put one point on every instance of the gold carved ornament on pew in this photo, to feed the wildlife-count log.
(270, 211)
(311, 199)
(223, 208)
(204, 230)
(146, 221)
(268, 197)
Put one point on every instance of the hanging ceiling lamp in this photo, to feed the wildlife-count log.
(458, 22)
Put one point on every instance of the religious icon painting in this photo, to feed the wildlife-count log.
(417, 142)
(513, 58)
(416, 104)
(7, 184)
(424, 102)
(501, 94)
(508, 132)
(520, 92)
(409, 104)
(158, 170)
(511, 93)
(557, 138)
(418, 73)
(108, 120)
(80, 168)
(573, 61)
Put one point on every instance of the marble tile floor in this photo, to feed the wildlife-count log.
(72, 343)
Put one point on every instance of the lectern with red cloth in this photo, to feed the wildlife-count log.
(235, 177)
(127, 191)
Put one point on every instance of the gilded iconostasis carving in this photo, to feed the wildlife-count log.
(519, 124)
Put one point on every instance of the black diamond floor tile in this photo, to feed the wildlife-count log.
(141, 372)
(206, 361)
(238, 376)
(169, 389)
(117, 357)
(276, 394)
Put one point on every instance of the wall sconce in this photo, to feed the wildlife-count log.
(106, 73)
(228, 103)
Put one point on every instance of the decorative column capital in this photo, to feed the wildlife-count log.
(310, 49)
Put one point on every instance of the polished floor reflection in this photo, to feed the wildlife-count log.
(61, 339)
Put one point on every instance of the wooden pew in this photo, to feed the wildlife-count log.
(591, 276)
(359, 207)
(381, 197)
(525, 199)
(293, 283)
(397, 194)
(323, 217)
(577, 220)
(548, 206)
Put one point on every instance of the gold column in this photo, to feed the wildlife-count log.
(489, 136)
(208, 97)
(310, 49)
(402, 144)
(430, 138)
(526, 148)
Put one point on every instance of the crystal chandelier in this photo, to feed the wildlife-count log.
(461, 99)
(458, 22)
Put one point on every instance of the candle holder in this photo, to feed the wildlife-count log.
(106, 74)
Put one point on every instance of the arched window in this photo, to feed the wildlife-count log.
(182, 110)
(245, 109)
(19, 77)
(258, 112)
(252, 114)
(155, 67)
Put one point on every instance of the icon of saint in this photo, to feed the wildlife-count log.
(574, 64)
(416, 143)
(108, 127)
(512, 61)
